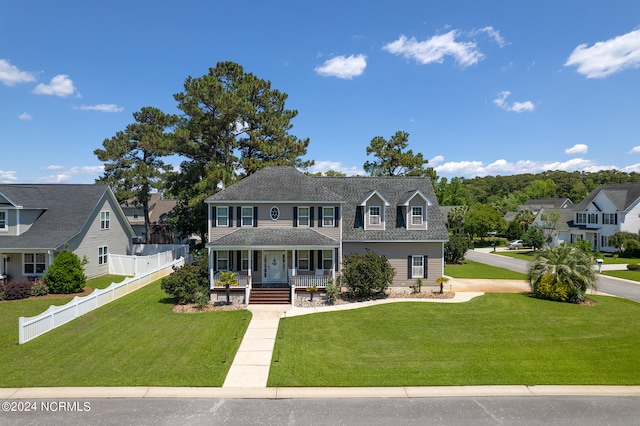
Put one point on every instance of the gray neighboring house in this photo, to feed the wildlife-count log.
(279, 225)
(38, 221)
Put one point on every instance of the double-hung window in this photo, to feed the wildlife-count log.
(34, 263)
(328, 216)
(3, 221)
(416, 215)
(102, 255)
(327, 259)
(247, 216)
(374, 215)
(303, 260)
(417, 266)
(303, 216)
(593, 218)
(222, 216)
(245, 260)
(223, 260)
(609, 219)
(581, 218)
(104, 219)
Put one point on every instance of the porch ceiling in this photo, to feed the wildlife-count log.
(274, 237)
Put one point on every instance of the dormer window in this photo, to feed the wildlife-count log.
(416, 215)
(374, 215)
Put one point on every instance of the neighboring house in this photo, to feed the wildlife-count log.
(278, 226)
(39, 221)
(539, 204)
(159, 210)
(605, 211)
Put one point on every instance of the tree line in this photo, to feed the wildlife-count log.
(231, 124)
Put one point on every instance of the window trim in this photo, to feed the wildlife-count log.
(328, 259)
(4, 222)
(302, 258)
(244, 216)
(328, 219)
(34, 263)
(413, 216)
(219, 258)
(581, 217)
(371, 216)
(244, 260)
(222, 216)
(307, 216)
(275, 209)
(414, 266)
(105, 219)
(103, 255)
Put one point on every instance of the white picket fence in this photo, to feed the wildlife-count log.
(55, 316)
(137, 265)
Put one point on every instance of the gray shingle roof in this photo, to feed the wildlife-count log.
(285, 237)
(395, 190)
(276, 184)
(622, 196)
(65, 210)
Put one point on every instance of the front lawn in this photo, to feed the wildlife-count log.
(134, 341)
(496, 339)
(624, 274)
(471, 269)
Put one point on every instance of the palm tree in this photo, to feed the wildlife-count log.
(563, 273)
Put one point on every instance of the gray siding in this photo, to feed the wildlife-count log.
(398, 253)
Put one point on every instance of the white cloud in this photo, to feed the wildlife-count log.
(436, 160)
(25, 116)
(345, 67)
(101, 108)
(325, 166)
(10, 75)
(8, 176)
(436, 48)
(60, 85)
(501, 101)
(607, 57)
(504, 167)
(495, 35)
(634, 150)
(64, 174)
(578, 148)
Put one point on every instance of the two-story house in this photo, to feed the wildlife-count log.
(160, 209)
(279, 227)
(606, 210)
(39, 221)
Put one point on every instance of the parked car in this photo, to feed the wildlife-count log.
(515, 244)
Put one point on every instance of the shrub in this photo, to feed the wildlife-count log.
(15, 290)
(66, 274)
(455, 249)
(547, 288)
(367, 275)
(39, 288)
(189, 283)
(633, 267)
(332, 291)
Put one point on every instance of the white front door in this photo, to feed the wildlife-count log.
(275, 266)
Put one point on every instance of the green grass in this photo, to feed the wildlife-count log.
(627, 275)
(497, 339)
(471, 269)
(133, 341)
(518, 254)
(104, 281)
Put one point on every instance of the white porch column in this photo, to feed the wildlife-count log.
(210, 267)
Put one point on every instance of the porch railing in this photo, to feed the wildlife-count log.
(305, 281)
(243, 281)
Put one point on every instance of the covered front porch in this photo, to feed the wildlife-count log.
(313, 262)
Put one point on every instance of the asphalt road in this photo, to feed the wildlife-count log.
(614, 286)
(534, 410)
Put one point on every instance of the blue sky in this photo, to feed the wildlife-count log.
(482, 88)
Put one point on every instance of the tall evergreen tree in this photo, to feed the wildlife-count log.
(393, 160)
(133, 158)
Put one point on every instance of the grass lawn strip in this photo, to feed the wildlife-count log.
(471, 269)
(497, 339)
(134, 341)
(627, 275)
